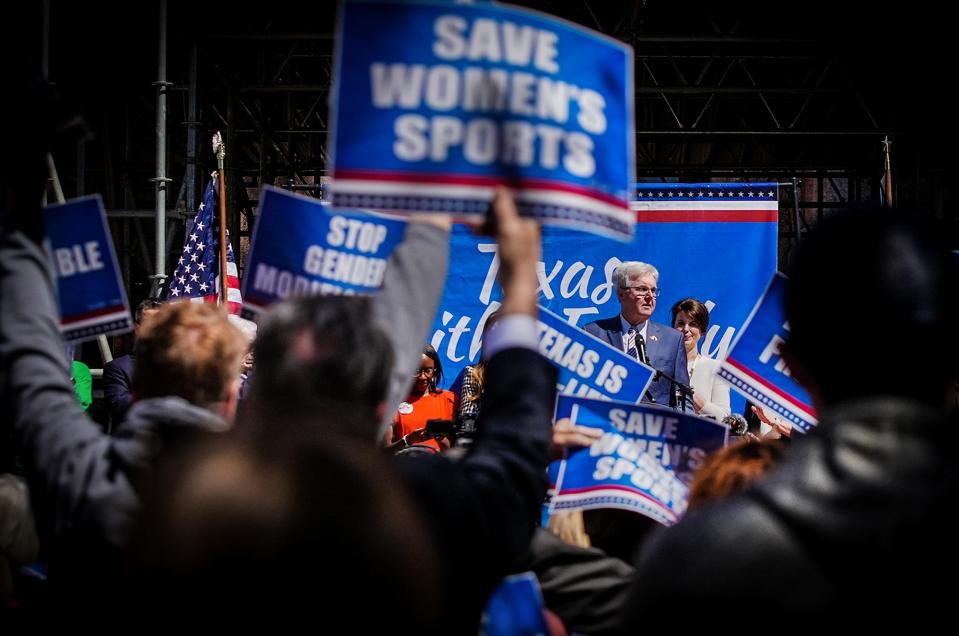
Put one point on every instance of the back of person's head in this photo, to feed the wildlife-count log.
(143, 307)
(873, 307)
(732, 469)
(311, 527)
(189, 350)
(323, 355)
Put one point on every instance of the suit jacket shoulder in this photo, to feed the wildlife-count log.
(604, 328)
(666, 334)
(605, 324)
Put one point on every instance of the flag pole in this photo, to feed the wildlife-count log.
(220, 149)
(887, 168)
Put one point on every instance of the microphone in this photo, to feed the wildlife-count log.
(738, 426)
(641, 348)
(737, 423)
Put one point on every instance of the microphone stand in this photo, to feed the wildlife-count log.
(680, 390)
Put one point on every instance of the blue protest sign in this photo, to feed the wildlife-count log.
(302, 247)
(644, 461)
(754, 367)
(515, 608)
(588, 366)
(435, 104)
(90, 295)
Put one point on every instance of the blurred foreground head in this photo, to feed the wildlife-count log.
(321, 358)
(190, 350)
(873, 304)
(322, 528)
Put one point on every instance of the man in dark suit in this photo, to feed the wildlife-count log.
(632, 331)
(118, 373)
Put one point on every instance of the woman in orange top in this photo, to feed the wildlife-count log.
(425, 402)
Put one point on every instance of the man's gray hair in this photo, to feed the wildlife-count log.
(628, 271)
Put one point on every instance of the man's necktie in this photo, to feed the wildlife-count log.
(631, 344)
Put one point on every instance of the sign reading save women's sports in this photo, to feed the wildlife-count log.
(435, 104)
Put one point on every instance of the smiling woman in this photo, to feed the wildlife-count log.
(710, 393)
(425, 402)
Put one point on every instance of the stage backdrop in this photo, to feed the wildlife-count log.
(716, 242)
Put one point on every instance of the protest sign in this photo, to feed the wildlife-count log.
(435, 104)
(644, 461)
(754, 367)
(90, 294)
(588, 366)
(304, 247)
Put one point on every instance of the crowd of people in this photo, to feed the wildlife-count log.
(257, 479)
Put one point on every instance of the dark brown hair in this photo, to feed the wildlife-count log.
(695, 310)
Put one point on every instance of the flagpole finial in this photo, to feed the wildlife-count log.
(219, 148)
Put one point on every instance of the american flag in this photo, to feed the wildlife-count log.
(196, 275)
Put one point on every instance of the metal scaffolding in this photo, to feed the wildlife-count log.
(720, 95)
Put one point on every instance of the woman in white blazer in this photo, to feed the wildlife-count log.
(710, 393)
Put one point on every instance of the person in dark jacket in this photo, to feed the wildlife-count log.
(858, 521)
(85, 486)
(118, 373)
(321, 362)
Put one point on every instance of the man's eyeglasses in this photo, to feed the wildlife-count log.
(642, 290)
(424, 371)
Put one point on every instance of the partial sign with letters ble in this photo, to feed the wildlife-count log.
(90, 295)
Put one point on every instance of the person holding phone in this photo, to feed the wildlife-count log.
(425, 402)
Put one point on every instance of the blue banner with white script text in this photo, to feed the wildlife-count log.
(716, 242)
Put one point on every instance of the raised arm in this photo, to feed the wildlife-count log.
(58, 444)
(511, 450)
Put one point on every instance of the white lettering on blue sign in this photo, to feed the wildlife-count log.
(772, 348)
(483, 141)
(355, 234)
(493, 41)
(341, 267)
(574, 356)
(78, 259)
(443, 88)
(636, 423)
